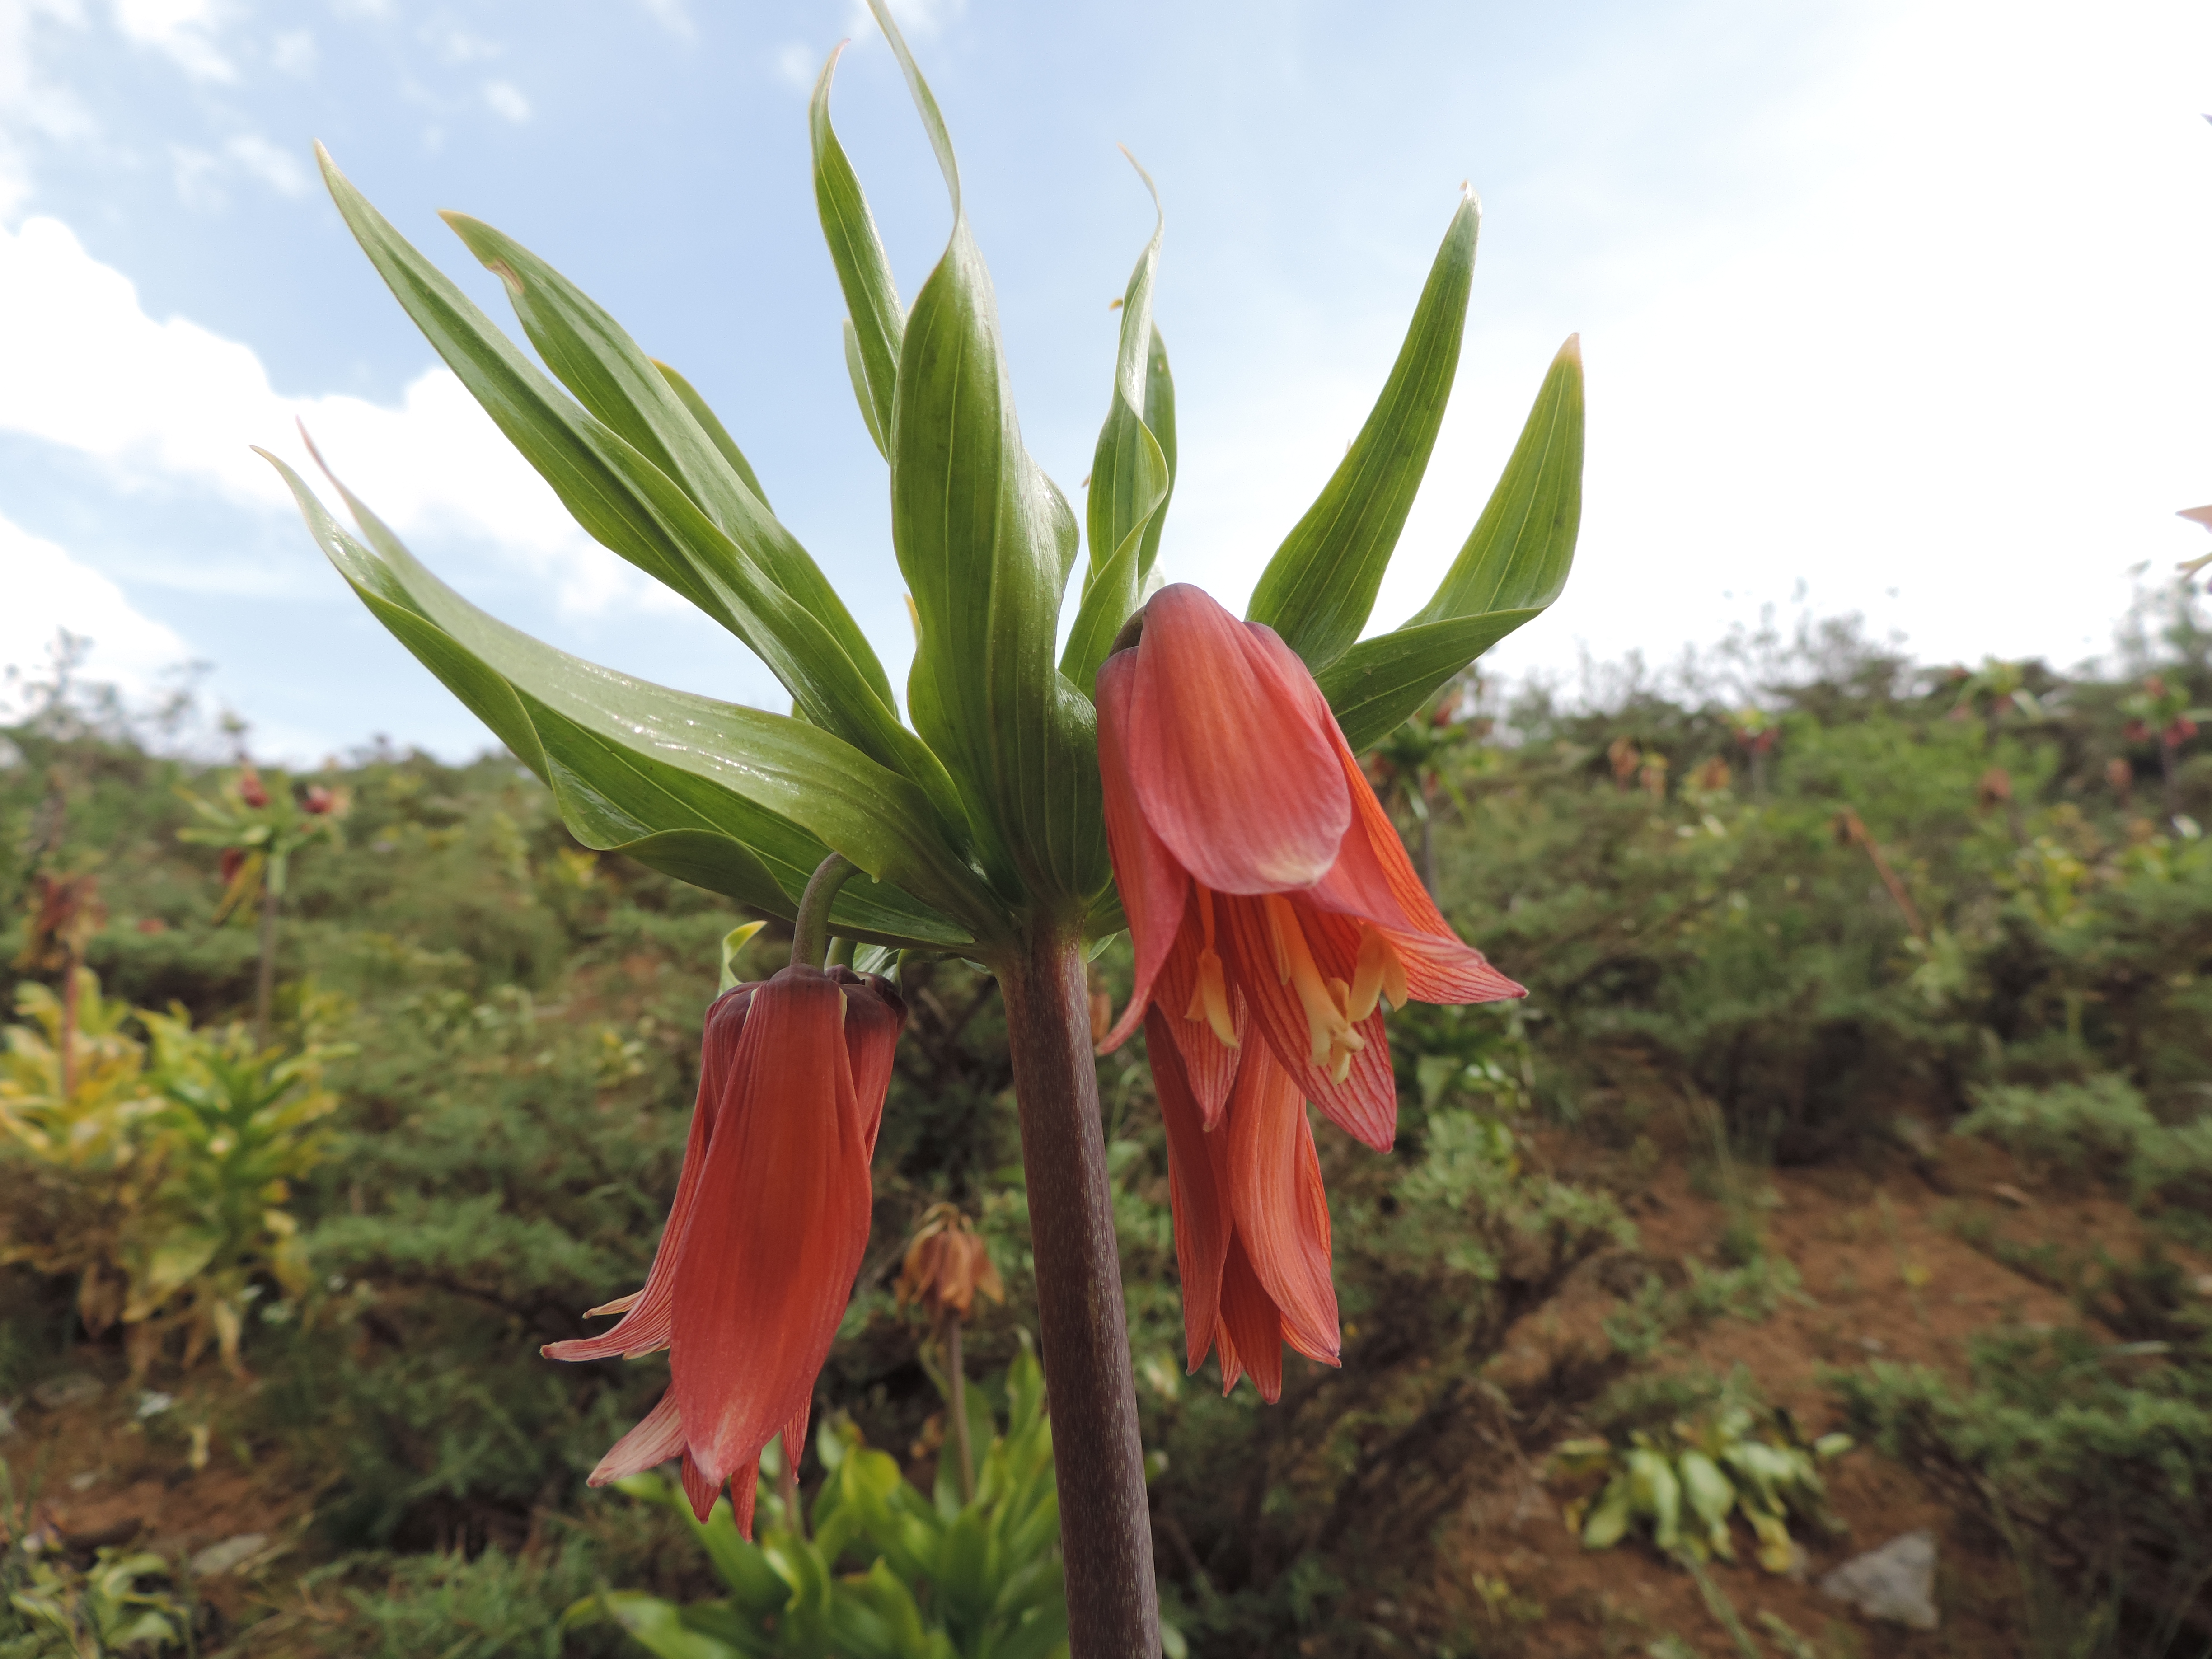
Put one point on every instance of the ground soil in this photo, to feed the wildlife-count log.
(1886, 1274)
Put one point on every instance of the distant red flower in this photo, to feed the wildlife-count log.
(1264, 883)
(232, 860)
(317, 800)
(766, 1234)
(251, 790)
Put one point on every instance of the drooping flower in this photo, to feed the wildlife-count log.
(1264, 885)
(1251, 1220)
(767, 1232)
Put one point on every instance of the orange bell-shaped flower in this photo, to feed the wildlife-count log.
(767, 1232)
(1251, 1219)
(1264, 885)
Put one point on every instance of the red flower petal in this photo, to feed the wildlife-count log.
(1201, 1216)
(1231, 769)
(1364, 1104)
(767, 1264)
(875, 1014)
(1155, 890)
(657, 1436)
(1281, 1208)
(1251, 1325)
(1209, 1063)
(645, 1326)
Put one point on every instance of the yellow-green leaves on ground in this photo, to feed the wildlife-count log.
(1317, 591)
(1513, 565)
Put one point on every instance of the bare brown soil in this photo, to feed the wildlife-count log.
(1886, 1274)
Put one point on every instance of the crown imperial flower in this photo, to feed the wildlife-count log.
(1264, 886)
(766, 1234)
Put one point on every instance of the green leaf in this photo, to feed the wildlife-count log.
(1379, 681)
(1518, 554)
(875, 326)
(711, 424)
(984, 541)
(735, 799)
(1131, 473)
(658, 1627)
(633, 508)
(1513, 565)
(1317, 590)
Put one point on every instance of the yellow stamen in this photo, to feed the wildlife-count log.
(1327, 1022)
(1209, 998)
(1381, 973)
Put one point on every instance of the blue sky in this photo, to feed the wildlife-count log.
(1902, 305)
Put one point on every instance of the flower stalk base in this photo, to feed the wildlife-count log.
(1106, 1533)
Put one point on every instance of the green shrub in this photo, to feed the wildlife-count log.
(2067, 1131)
(2096, 1459)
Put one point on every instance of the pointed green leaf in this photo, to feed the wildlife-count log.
(875, 324)
(1518, 554)
(644, 403)
(1514, 564)
(1317, 590)
(711, 424)
(635, 508)
(737, 799)
(1129, 479)
(984, 542)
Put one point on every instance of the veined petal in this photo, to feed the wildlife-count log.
(657, 1436)
(875, 1014)
(1279, 1204)
(1230, 766)
(1251, 1324)
(644, 1326)
(702, 1492)
(1201, 1214)
(1155, 889)
(1209, 1064)
(767, 1264)
(1364, 1101)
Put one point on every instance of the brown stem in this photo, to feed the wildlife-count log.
(1855, 827)
(956, 1378)
(1106, 1534)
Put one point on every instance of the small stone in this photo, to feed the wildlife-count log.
(72, 1389)
(228, 1555)
(84, 1482)
(2012, 1195)
(1896, 1582)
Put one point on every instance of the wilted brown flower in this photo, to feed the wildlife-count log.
(1994, 788)
(946, 1265)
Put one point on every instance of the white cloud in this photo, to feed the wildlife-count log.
(279, 169)
(48, 591)
(672, 15)
(294, 53)
(796, 65)
(1959, 351)
(507, 100)
(180, 29)
(83, 367)
(30, 106)
(917, 19)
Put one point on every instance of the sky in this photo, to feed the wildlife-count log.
(1893, 308)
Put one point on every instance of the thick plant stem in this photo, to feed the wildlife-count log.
(1106, 1534)
(810, 928)
(956, 1378)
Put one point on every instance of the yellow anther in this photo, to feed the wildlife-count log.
(1335, 1042)
(1209, 998)
(1381, 972)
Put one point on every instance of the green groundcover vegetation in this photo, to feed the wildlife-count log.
(1802, 883)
